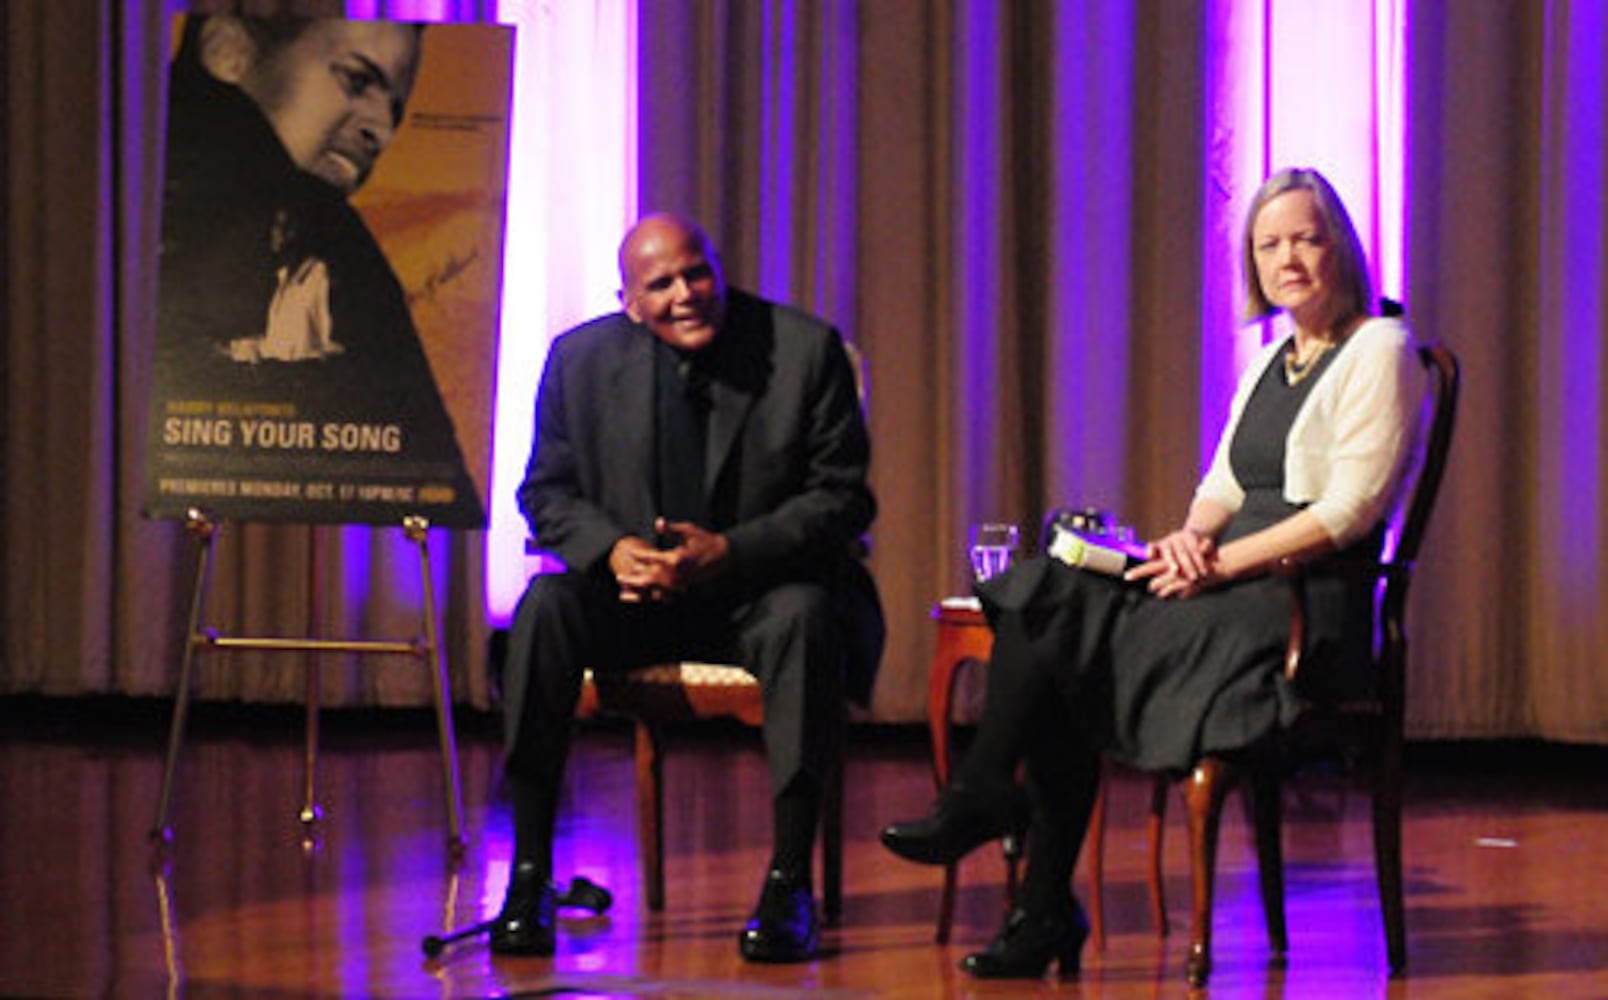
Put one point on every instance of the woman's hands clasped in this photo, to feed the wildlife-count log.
(1180, 564)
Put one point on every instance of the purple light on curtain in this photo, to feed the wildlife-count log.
(978, 174)
(1236, 149)
(1316, 83)
(807, 185)
(1090, 237)
(421, 10)
(571, 194)
(1392, 97)
(1329, 105)
(467, 12)
(1573, 262)
(779, 97)
(834, 205)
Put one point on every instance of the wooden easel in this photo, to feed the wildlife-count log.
(426, 647)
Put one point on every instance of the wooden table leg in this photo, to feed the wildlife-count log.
(963, 636)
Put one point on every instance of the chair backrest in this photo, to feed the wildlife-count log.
(1393, 573)
(1445, 380)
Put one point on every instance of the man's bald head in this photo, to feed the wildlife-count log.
(671, 281)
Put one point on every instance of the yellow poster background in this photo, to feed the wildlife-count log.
(435, 203)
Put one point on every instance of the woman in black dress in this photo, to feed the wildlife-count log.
(1183, 657)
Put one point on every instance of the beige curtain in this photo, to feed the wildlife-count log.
(1508, 244)
(1000, 202)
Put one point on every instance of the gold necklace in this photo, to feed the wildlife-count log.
(1295, 371)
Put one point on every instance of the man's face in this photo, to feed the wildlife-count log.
(673, 284)
(335, 95)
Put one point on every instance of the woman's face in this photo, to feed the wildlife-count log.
(1295, 256)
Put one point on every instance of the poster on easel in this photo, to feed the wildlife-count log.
(330, 271)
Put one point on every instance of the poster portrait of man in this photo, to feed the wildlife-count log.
(329, 270)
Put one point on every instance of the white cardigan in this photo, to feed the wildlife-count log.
(1353, 439)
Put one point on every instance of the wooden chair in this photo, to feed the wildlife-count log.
(1372, 727)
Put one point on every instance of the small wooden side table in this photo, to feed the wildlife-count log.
(963, 637)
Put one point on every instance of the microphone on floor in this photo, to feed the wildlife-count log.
(582, 894)
(435, 944)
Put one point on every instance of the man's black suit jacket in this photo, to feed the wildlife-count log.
(785, 475)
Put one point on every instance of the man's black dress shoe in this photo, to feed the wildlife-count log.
(1027, 943)
(526, 925)
(784, 927)
(964, 819)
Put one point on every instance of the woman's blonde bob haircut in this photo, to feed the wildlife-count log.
(1355, 288)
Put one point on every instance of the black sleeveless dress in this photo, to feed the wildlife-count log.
(1157, 683)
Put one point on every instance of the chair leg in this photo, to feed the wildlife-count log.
(1387, 856)
(946, 904)
(940, 702)
(650, 812)
(1096, 856)
(1204, 792)
(832, 845)
(1267, 810)
(1157, 828)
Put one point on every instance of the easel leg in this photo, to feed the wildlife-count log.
(417, 530)
(310, 812)
(202, 527)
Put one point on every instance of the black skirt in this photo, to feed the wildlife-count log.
(1156, 683)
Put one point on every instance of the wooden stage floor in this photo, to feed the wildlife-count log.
(1505, 869)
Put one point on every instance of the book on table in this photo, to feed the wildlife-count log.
(1094, 551)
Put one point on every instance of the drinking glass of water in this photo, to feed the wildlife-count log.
(993, 544)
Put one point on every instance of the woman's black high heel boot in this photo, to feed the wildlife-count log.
(1027, 944)
(965, 818)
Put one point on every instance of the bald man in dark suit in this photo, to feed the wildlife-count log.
(700, 467)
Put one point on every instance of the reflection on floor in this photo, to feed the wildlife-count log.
(1504, 873)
